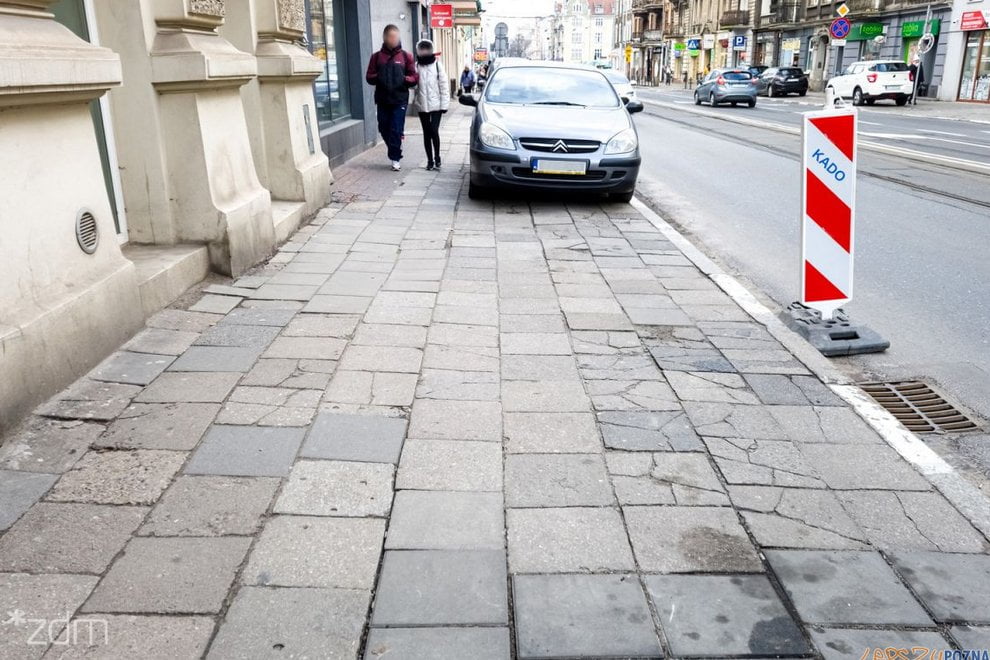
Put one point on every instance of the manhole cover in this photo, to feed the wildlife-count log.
(919, 408)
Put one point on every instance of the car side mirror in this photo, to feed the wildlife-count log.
(468, 99)
(634, 106)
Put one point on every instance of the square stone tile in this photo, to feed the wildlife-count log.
(45, 597)
(686, 539)
(827, 424)
(677, 358)
(306, 348)
(551, 432)
(441, 587)
(119, 477)
(971, 637)
(863, 466)
(211, 506)
(377, 334)
(20, 490)
(374, 388)
(215, 304)
(648, 431)
(303, 551)
(170, 576)
(556, 480)
(337, 488)
(724, 615)
(216, 358)
(535, 343)
(560, 396)
(729, 420)
(341, 326)
(162, 341)
(458, 385)
(275, 318)
(348, 437)
(68, 538)
(567, 540)
(382, 358)
(336, 304)
(46, 445)
(435, 643)
(131, 368)
(450, 465)
(246, 451)
(954, 587)
(233, 334)
(444, 419)
(711, 386)
(204, 387)
(841, 587)
(452, 520)
(177, 426)
(461, 358)
(540, 368)
(763, 462)
(89, 400)
(588, 616)
(684, 478)
(130, 636)
(295, 623)
(453, 334)
(852, 644)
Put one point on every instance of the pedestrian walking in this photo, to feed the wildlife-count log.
(432, 99)
(467, 80)
(392, 71)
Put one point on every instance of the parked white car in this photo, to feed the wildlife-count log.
(622, 85)
(869, 81)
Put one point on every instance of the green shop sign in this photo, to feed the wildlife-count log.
(864, 31)
(914, 29)
(678, 46)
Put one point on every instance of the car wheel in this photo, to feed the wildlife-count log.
(870, 101)
(770, 93)
(711, 99)
(752, 103)
(697, 99)
(622, 198)
(475, 191)
(802, 93)
(857, 96)
(901, 100)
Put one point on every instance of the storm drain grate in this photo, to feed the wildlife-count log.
(919, 408)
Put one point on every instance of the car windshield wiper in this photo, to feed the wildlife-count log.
(579, 105)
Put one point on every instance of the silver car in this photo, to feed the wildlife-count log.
(552, 126)
(727, 86)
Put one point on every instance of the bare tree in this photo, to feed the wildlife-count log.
(519, 46)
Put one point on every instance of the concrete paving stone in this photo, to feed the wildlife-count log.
(717, 615)
(764, 361)
(243, 414)
(89, 400)
(372, 388)
(837, 587)
(215, 304)
(686, 539)
(441, 587)
(337, 304)
(217, 358)
(272, 291)
(288, 416)
(522, 323)
(446, 520)
(205, 387)
(535, 396)
(541, 480)
(645, 301)
(368, 334)
(618, 367)
(383, 314)
(246, 451)
(170, 576)
(131, 368)
(586, 616)
(529, 306)
(540, 368)
(265, 622)
(468, 286)
(47, 445)
(354, 284)
(420, 643)
(597, 321)
(667, 316)
(68, 538)
(824, 424)
(247, 336)
(280, 305)
(731, 420)
(817, 392)
(182, 320)
(443, 419)
(895, 521)
(713, 297)
(853, 644)
(406, 282)
(462, 385)
(228, 290)
(175, 426)
(452, 334)
(306, 551)
(651, 287)
(18, 492)
(465, 315)
(322, 325)
(337, 488)
(854, 467)
(970, 637)
(632, 395)
(271, 372)
(648, 431)
(550, 432)
(567, 540)
(272, 396)
(49, 598)
(352, 437)
(711, 386)
(450, 465)
(954, 587)
(211, 506)
(459, 299)
(689, 476)
(381, 358)
(698, 313)
(406, 299)
(777, 389)
(135, 476)
(129, 636)
(676, 358)
(306, 348)
(594, 305)
(763, 463)
(535, 343)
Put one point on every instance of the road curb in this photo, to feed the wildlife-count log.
(966, 497)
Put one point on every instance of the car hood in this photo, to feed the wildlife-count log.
(558, 121)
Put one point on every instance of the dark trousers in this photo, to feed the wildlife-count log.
(468, 88)
(431, 134)
(391, 126)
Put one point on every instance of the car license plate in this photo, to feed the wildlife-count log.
(793, 79)
(892, 87)
(551, 166)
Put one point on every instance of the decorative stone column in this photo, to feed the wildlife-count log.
(215, 193)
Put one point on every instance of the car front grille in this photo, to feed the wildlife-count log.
(560, 146)
(526, 173)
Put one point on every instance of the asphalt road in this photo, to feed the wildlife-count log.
(923, 252)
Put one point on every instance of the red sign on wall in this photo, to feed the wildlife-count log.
(441, 16)
(973, 20)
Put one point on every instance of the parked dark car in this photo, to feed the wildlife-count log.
(781, 81)
(757, 69)
(727, 86)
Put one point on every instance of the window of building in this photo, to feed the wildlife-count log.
(598, 37)
(599, 22)
(598, 54)
(974, 84)
(327, 41)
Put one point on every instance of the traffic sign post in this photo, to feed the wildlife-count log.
(840, 28)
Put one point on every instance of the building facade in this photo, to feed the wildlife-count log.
(966, 75)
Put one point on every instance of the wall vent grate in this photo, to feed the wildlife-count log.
(87, 232)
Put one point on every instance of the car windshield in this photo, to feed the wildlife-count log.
(737, 75)
(616, 78)
(550, 86)
(884, 67)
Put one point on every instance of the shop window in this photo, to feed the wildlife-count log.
(328, 42)
(974, 85)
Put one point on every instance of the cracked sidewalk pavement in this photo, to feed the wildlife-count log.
(431, 427)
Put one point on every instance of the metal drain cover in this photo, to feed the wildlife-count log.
(919, 408)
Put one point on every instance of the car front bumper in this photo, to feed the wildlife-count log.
(493, 168)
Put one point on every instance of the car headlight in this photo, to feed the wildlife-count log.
(496, 138)
(623, 142)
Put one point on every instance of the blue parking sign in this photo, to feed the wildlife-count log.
(739, 41)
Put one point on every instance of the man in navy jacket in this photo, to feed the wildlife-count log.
(393, 72)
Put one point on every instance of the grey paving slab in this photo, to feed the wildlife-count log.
(306, 348)
(337, 304)
(534, 396)
(382, 358)
(337, 488)
(711, 386)
(456, 420)
(606, 343)
(131, 368)
(852, 644)
(182, 320)
(476, 643)
(322, 325)
(20, 490)
(954, 587)
(776, 389)
(826, 424)
(845, 587)
(971, 637)
(380, 334)
(539, 368)
(632, 395)
(176, 426)
(585, 616)
(567, 540)
(675, 358)
(619, 366)
(452, 520)
(551, 432)
(716, 615)
(542, 480)
(204, 387)
(45, 597)
(763, 462)
(246, 451)
(450, 465)
(688, 476)
(273, 291)
(461, 358)
(463, 385)
(216, 358)
(47, 445)
(535, 343)
(350, 437)
(248, 336)
(305, 551)
(862, 466)
(441, 587)
(648, 431)
(68, 538)
(170, 576)
(294, 623)
(89, 400)
(730, 420)
(211, 506)
(531, 323)
(372, 388)
(276, 318)
(215, 304)
(130, 636)
(119, 477)
(686, 539)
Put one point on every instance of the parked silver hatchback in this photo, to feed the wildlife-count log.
(727, 86)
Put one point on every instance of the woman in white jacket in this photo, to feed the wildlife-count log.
(432, 99)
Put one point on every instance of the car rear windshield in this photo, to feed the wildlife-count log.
(886, 67)
(792, 72)
(737, 75)
(523, 85)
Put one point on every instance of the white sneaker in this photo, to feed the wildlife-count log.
(396, 166)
